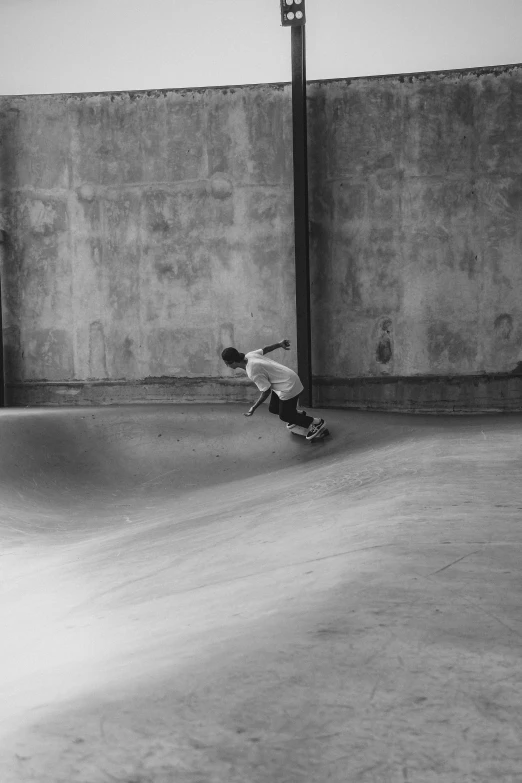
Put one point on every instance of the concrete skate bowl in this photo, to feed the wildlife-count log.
(191, 595)
(82, 465)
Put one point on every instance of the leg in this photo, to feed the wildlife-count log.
(288, 412)
(273, 406)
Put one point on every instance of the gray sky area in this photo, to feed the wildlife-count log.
(51, 46)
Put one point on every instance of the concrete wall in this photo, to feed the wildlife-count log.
(143, 232)
(416, 221)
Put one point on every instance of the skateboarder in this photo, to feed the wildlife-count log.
(272, 378)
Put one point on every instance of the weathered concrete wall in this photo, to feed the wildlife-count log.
(416, 219)
(143, 233)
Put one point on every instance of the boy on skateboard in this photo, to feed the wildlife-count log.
(272, 378)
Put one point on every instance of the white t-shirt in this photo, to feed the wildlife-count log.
(268, 374)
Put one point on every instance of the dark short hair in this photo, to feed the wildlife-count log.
(232, 355)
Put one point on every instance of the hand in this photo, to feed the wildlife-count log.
(249, 413)
(285, 344)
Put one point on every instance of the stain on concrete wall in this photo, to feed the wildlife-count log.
(97, 351)
(503, 327)
(384, 338)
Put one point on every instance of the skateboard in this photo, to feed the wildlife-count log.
(295, 430)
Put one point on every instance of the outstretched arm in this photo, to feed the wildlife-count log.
(262, 397)
(282, 344)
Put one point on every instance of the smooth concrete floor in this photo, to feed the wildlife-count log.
(192, 596)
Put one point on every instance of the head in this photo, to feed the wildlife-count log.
(233, 358)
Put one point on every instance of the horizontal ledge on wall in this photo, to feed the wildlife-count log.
(484, 393)
(107, 392)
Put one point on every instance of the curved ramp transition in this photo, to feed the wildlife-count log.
(190, 595)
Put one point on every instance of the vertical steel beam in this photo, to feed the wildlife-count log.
(302, 259)
(2, 374)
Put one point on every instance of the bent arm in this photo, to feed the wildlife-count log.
(282, 344)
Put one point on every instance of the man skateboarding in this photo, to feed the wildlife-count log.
(272, 378)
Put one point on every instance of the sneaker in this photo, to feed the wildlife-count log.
(316, 429)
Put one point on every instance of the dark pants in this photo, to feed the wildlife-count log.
(287, 411)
